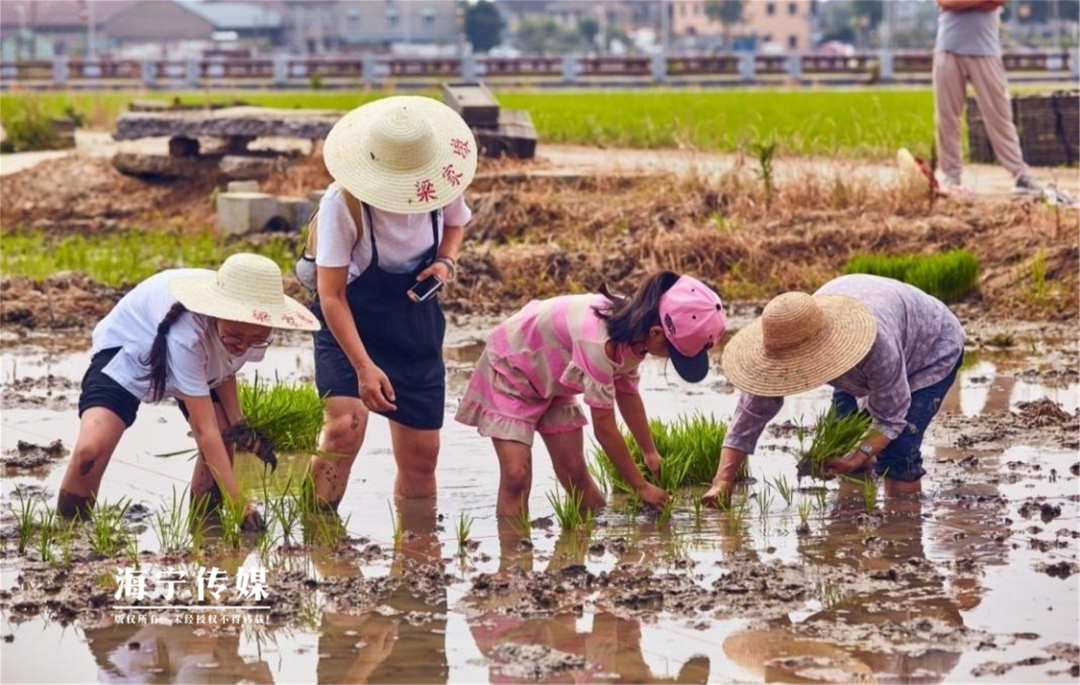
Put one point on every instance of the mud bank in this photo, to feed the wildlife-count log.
(534, 237)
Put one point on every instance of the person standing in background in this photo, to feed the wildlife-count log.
(968, 50)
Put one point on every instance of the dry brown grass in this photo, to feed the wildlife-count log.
(544, 237)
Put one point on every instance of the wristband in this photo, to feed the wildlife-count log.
(450, 264)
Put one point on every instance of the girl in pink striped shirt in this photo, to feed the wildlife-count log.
(538, 361)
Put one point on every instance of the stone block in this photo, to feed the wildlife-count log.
(245, 168)
(294, 210)
(242, 213)
(242, 187)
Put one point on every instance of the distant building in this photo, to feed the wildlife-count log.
(339, 26)
(784, 25)
(144, 27)
(30, 29)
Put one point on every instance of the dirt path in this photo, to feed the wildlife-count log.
(563, 160)
(578, 160)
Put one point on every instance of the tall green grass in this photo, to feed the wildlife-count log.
(690, 447)
(124, 257)
(948, 277)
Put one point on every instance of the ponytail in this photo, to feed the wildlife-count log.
(630, 318)
(158, 358)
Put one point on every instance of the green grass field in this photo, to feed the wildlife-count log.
(858, 122)
(128, 256)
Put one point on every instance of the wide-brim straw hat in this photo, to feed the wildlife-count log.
(798, 343)
(248, 289)
(404, 154)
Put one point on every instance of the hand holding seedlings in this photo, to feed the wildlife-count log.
(655, 497)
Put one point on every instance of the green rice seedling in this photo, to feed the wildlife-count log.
(835, 437)
(399, 533)
(805, 508)
(765, 153)
(464, 527)
(698, 505)
(764, 503)
(195, 521)
(283, 509)
(130, 546)
(1038, 290)
(948, 277)
(231, 514)
(870, 486)
(522, 520)
(690, 446)
(66, 536)
(25, 516)
(673, 470)
(172, 524)
(567, 508)
(665, 513)
(599, 473)
(633, 505)
(264, 543)
(108, 530)
(46, 533)
(736, 511)
(782, 487)
(283, 417)
(822, 496)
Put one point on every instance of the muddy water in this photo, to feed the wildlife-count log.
(946, 589)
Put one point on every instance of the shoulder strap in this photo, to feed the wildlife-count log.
(311, 245)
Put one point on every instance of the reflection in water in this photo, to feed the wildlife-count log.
(404, 640)
(608, 646)
(171, 654)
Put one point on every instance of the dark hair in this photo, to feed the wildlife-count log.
(630, 318)
(158, 358)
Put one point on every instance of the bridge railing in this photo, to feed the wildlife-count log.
(390, 71)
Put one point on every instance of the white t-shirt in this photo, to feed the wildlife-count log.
(198, 360)
(403, 239)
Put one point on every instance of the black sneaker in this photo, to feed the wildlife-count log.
(1026, 185)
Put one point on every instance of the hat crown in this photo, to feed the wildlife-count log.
(402, 139)
(790, 320)
(251, 278)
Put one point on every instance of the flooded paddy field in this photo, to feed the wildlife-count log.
(976, 581)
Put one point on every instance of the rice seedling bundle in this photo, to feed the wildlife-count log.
(283, 417)
(690, 447)
(947, 276)
(835, 437)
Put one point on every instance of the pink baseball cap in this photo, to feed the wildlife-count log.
(693, 319)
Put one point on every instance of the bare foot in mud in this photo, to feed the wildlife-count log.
(899, 488)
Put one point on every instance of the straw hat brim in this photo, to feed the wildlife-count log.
(346, 153)
(202, 294)
(848, 334)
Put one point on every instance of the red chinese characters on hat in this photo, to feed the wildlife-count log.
(452, 175)
(261, 316)
(425, 191)
(460, 147)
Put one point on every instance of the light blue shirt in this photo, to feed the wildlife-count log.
(973, 32)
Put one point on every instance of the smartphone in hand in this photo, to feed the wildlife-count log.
(425, 289)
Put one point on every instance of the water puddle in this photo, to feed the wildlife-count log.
(943, 590)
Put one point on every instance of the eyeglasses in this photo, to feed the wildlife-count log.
(237, 341)
(234, 340)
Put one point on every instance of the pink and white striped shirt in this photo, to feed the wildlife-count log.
(555, 347)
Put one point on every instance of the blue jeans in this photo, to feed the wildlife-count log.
(903, 456)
